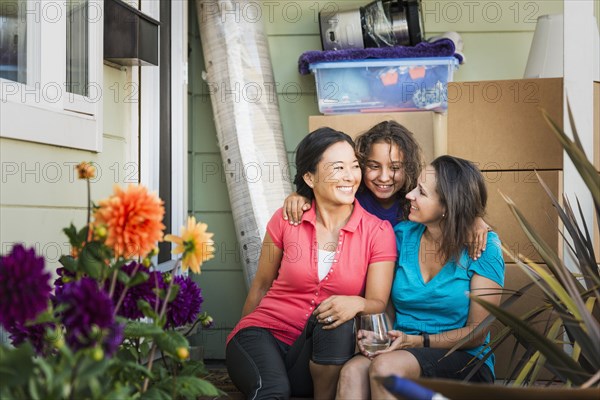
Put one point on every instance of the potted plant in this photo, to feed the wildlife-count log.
(111, 325)
(568, 346)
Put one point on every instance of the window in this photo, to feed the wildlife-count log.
(51, 72)
(77, 47)
(13, 43)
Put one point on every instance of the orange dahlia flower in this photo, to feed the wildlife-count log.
(85, 170)
(133, 220)
(195, 244)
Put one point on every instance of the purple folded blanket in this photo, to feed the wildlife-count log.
(439, 48)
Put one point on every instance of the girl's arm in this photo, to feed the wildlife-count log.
(377, 293)
(294, 206)
(478, 240)
(268, 267)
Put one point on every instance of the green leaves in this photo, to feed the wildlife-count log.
(16, 365)
(139, 278)
(150, 361)
(188, 387)
(76, 238)
(155, 393)
(64, 375)
(137, 329)
(170, 342)
(564, 364)
(147, 309)
(93, 259)
(571, 293)
(69, 263)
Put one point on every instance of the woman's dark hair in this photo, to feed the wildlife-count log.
(393, 133)
(310, 152)
(462, 192)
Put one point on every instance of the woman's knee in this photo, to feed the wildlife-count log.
(357, 365)
(255, 365)
(277, 390)
(354, 369)
(379, 368)
(394, 363)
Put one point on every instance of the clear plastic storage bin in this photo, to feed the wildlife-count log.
(407, 84)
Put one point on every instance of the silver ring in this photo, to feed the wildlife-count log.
(329, 319)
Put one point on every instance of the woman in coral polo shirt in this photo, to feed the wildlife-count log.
(297, 326)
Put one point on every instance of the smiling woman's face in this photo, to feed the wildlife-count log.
(425, 205)
(338, 175)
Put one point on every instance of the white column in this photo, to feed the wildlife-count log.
(150, 113)
(179, 115)
(578, 88)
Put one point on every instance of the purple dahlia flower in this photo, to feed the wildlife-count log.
(88, 308)
(114, 338)
(185, 307)
(64, 275)
(35, 334)
(24, 286)
(145, 291)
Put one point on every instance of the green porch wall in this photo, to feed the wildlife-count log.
(496, 34)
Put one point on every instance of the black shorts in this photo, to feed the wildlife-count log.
(263, 367)
(435, 365)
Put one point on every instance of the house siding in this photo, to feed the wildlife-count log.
(40, 193)
(39, 181)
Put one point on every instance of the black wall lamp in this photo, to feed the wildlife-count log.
(130, 36)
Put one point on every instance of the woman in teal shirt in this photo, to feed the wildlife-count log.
(433, 278)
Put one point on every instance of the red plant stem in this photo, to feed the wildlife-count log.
(157, 302)
(150, 362)
(125, 289)
(113, 283)
(73, 378)
(89, 210)
(163, 310)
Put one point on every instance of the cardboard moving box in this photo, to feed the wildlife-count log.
(524, 189)
(498, 124)
(428, 127)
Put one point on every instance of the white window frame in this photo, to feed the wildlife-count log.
(150, 112)
(42, 110)
(179, 115)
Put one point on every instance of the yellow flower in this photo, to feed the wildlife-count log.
(195, 244)
(85, 170)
